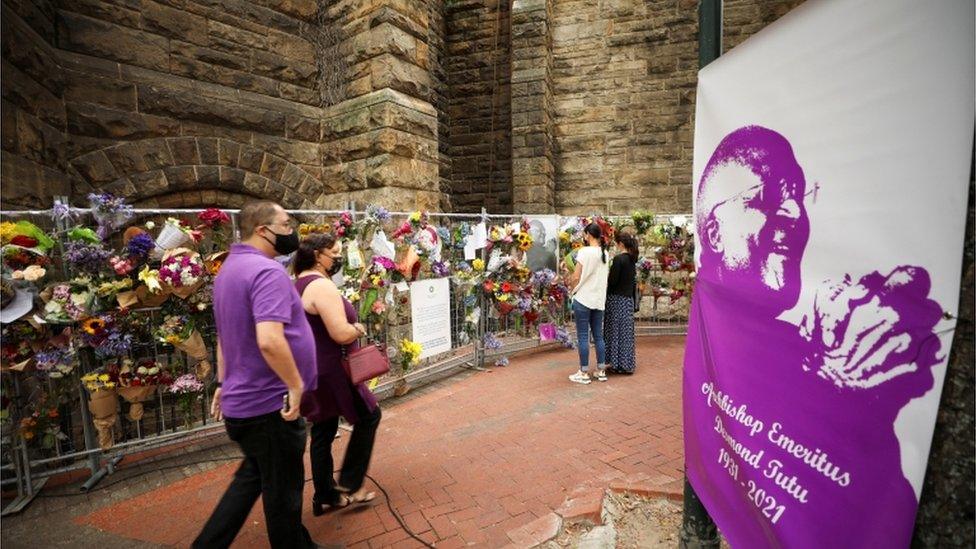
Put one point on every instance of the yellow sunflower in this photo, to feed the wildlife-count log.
(93, 326)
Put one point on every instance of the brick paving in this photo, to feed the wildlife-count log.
(489, 459)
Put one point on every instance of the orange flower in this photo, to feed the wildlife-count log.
(93, 326)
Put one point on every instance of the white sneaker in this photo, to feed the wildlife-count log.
(580, 377)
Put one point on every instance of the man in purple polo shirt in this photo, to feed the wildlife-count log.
(265, 360)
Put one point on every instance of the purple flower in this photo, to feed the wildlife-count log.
(140, 245)
(61, 211)
(491, 341)
(384, 262)
(562, 336)
(185, 384)
(381, 214)
(464, 267)
(440, 269)
(111, 212)
(115, 344)
(543, 278)
(86, 257)
(524, 303)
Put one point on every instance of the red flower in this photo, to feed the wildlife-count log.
(506, 287)
(489, 286)
(25, 241)
(213, 217)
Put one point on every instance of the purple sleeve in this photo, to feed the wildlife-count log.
(271, 296)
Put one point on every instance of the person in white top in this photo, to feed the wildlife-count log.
(589, 284)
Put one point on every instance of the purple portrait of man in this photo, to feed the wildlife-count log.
(792, 425)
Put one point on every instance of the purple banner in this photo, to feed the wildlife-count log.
(789, 427)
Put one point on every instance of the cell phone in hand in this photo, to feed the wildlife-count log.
(284, 404)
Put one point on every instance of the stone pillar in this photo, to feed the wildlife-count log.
(533, 174)
(381, 146)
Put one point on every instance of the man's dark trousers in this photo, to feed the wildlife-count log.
(273, 468)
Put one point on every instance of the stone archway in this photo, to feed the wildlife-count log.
(187, 171)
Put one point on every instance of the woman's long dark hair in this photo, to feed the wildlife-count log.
(596, 232)
(311, 245)
(630, 244)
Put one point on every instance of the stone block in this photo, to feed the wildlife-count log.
(185, 105)
(231, 178)
(208, 55)
(208, 147)
(384, 38)
(140, 156)
(184, 151)
(86, 35)
(394, 115)
(94, 121)
(181, 178)
(297, 152)
(95, 167)
(383, 140)
(291, 46)
(388, 71)
(273, 167)
(151, 183)
(124, 13)
(255, 184)
(39, 141)
(24, 92)
(81, 87)
(250, 158)
(283, 68)
(29, 184)
(304, 129)
(235, 35)
(227, 153)
(173, 23)
(208, 176)
(393, 171)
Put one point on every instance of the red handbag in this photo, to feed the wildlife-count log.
(365, 363)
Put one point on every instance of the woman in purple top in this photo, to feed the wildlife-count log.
(334, 325)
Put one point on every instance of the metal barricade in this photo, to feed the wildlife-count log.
(26, 465)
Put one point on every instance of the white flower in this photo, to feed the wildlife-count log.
(150, 225)
(142, 370)
(153, 371)
(201, 306)
(679, 220)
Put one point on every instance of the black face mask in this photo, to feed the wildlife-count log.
(284, 244)
(336, 266)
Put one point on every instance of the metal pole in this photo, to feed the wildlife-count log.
(697, 527)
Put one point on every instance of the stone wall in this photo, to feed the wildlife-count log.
(32, 162)
(477, 66)
(186, 103)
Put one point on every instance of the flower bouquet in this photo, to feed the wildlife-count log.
(215, 219)
(106, 335)
(138, 382)
(103, 404)
(181, 272)
(188, 390)
(109, 211)
(55, 362)
(175, 234)
(68, 301)
(180, 332)
(409, 356)
(41, 425)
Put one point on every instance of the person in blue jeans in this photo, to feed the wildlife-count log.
(589, 284)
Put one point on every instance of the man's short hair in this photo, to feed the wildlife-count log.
(256, 214)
